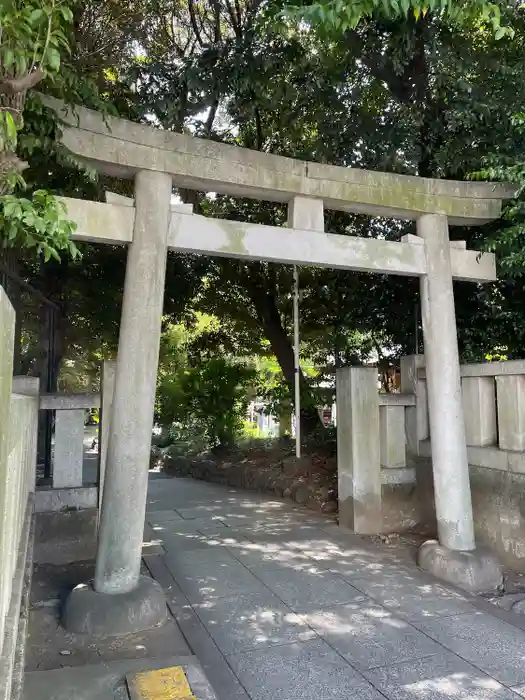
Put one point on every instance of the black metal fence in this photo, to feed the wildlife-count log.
(35, 346)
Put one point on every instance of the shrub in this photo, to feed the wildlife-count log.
(208, 399)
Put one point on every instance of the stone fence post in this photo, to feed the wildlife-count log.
(358, 453)
(416, 417)
(7, 335)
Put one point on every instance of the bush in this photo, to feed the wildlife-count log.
(250, 431)
(325, 438)
(208, 400)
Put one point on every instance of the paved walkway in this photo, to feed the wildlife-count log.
(280, 605)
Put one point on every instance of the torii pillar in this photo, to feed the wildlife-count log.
(455, 557)
(120, 600)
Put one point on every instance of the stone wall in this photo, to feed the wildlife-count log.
(493, 401)
(498, 501)
(405, 509)
(18, 433)
(300, 481)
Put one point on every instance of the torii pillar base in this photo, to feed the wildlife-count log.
(102, 615)
(476, 571)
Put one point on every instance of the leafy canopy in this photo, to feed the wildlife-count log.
(33, 39)
(37, 223)
(203, 397)
(336, 16)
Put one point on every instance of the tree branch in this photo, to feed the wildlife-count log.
(193, 20)
(250, 13)
(233, 18)
(212, 114)
(217, 21)
(400, 85)
(238, 13)
(258, 126)
(13, 86)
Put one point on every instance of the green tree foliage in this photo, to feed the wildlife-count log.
(506, 238)
(32, 42)
(336, 16)
(200, 397)
(38, 223)
(429, 89)
(400, 91)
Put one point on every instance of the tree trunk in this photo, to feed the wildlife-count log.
(285, 419)
(12, 99)
(53, 283)
(268, 313)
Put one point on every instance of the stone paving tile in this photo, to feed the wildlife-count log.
(306, 671)
(491, 644)
(202, 645)
(519, 690)
(249, 622)
(158, 502)
(215, 666)
(236, 518)
(439, 677)
(162, 516)
(208, 580)
(414, 602)
(308, 589)
(151, 544)
(323, 575)
(368, 636)
(283, 519)
(178, 524)
(355, 562)
(360, 567)
(271, 556)
(178, 542)
(233, 510)
(210, 496)
(227, 536)
(192, 540)
(181, 527)
(401, 579)
(160, 572)
(288, 535)
(205, 496)
(182, 558)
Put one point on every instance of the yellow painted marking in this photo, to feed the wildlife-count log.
(162, 684)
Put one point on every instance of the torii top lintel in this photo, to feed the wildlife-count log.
(121, 148)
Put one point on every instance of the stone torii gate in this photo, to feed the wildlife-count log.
(120, 600)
